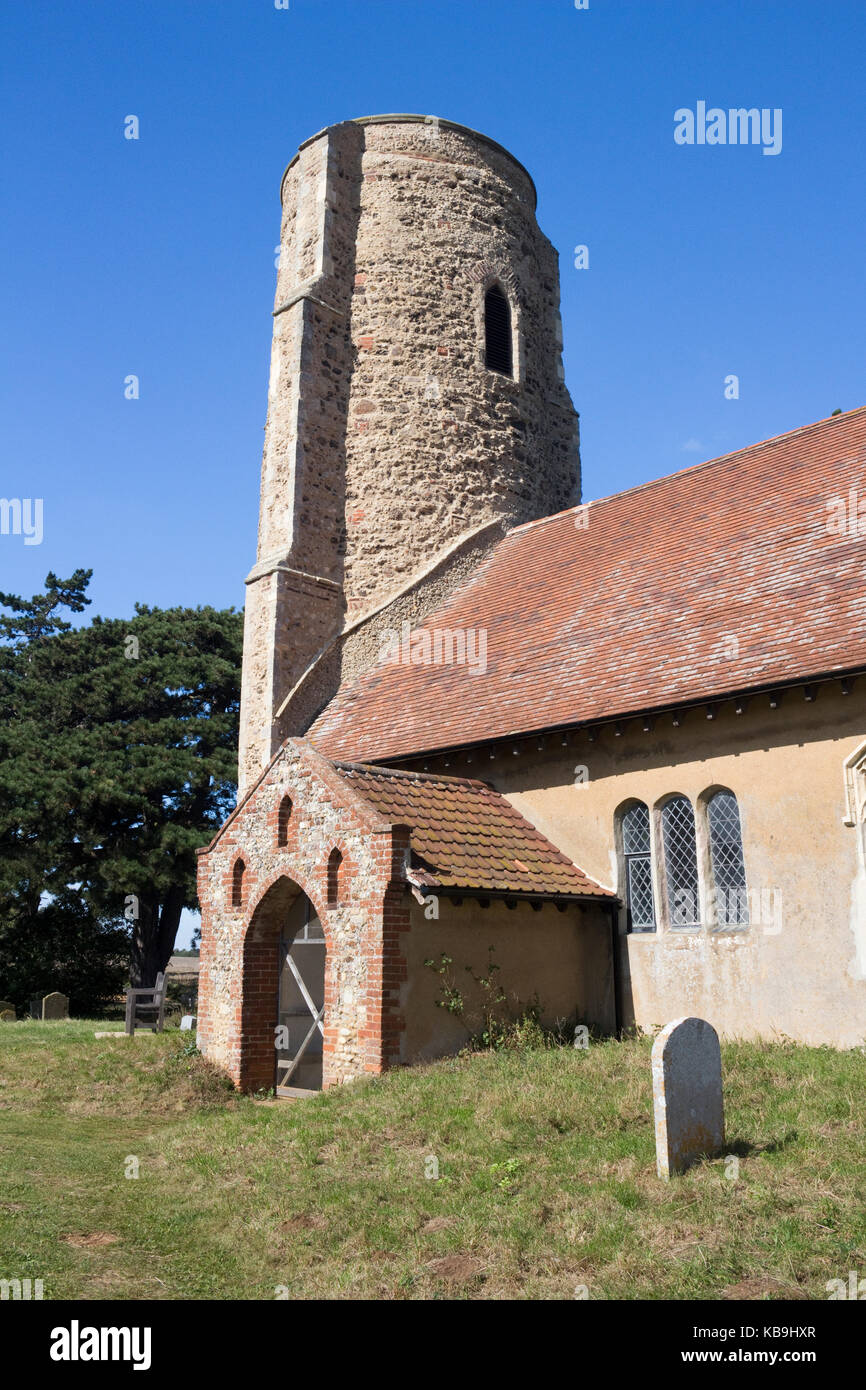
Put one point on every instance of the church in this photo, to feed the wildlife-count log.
(617, 747)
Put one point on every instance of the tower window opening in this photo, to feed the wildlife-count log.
(497, 332)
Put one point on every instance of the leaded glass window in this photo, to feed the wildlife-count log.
(681, 862)
(638, 868)
(726, 854)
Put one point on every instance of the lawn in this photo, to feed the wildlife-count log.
(546, 1184)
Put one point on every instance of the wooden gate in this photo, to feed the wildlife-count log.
(301, 1002)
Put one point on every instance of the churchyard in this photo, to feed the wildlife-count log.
(130, 1170)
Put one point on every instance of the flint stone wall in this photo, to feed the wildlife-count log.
(387, 436)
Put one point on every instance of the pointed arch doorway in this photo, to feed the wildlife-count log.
(301, 1003)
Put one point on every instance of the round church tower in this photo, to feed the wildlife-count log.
(416, 387)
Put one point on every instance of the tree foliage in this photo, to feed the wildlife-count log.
(119, 746)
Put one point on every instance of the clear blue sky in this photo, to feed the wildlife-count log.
(156, 257)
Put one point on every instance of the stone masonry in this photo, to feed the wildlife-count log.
(387, 437)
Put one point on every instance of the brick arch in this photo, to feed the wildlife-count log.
(498, 273)
(298, 882)
(259, 1004)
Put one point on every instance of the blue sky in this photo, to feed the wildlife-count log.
(156, 256)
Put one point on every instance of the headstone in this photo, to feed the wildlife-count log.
(187, 1023)
(687, 1094)
(5, 1006)
(36, 1008)
(55, 1006)
(7, 1016)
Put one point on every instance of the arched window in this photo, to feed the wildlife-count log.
(726, 856)
(497, 332)
(238, 884)
(637, 860)
(681, 862)
(335, 861)
(283, 820)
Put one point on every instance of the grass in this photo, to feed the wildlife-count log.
(546, 1179)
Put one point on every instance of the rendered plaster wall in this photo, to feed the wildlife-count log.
(802, 975)
(562, 959)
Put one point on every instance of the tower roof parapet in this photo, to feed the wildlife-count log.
(410, 118)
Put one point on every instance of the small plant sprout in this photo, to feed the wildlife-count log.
(505, 1174)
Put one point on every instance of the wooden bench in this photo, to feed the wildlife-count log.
(147, 1001)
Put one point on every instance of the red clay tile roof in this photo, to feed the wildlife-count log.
(642, 607)
(466, 836)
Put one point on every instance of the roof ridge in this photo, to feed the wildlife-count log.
(409, 775)
(680, 472)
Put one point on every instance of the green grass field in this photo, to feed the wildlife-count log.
(546, 1177)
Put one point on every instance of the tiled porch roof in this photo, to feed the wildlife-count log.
(467, 836)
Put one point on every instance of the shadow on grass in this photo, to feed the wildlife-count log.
(741, 1148)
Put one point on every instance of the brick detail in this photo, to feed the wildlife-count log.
(364, 932)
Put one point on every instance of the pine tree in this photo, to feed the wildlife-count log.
(120, 751)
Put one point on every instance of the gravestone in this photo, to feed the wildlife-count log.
(55, 1006)
(187, 1023)
(5, 1006)
(687, 1094)
(7, 1016)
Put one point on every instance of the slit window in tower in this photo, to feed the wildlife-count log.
(497, 331)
